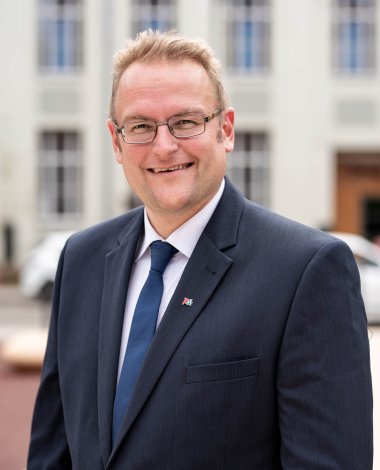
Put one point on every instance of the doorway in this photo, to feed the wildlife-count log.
(358, 193)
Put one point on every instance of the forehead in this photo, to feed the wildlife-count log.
(165, 85)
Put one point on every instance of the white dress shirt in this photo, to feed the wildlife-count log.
(184, 240)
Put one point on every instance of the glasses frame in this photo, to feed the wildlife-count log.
(121, 129)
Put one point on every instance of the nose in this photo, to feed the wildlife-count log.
(164, 143)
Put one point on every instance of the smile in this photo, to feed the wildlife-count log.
(172, 168)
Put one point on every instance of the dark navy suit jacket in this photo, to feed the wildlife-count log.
(268, 369)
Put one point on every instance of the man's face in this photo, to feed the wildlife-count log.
(158, 91)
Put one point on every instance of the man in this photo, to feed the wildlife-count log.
(260, 359)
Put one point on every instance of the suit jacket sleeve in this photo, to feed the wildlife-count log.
(324, 380)
(48, 446)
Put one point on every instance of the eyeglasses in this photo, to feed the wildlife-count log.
(182, 126)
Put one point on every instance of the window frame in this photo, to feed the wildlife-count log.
(60, 36)
(155, 14)
(249, 167)
(60, 175)
(248, 36)
(354, 37)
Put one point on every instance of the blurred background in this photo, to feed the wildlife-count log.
(303, 77)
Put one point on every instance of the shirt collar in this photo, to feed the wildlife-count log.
(186, 236)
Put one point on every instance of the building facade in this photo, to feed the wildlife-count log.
(303, 77)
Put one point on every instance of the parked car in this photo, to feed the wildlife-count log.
(38, 271)
(367, 256)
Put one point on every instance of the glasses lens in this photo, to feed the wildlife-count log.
(139, 131)
(187, 125)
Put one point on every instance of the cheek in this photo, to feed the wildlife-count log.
(130, 161)
(130, 173)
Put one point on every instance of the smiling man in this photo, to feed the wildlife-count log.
(199, 331)
(174, 177)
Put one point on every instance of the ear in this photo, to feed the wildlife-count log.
(115, 140)
(228, 130)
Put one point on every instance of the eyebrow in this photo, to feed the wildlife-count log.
(143, 117)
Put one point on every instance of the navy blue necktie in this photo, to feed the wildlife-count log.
(142, 329)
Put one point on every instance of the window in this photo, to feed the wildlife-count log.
(60, 41)
(154, 14)
(248, 35)
(354, 36)
(248, 167)
(60, 176)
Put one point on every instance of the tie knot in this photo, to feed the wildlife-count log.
(161, 253)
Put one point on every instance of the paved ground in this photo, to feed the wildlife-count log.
(17, 394)
(18, 312)
(18, 387)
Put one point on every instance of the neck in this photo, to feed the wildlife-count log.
(166, 224)
(166, 221)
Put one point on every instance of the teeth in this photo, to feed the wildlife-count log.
(173, 168)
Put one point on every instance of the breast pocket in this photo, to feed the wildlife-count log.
(235, 370)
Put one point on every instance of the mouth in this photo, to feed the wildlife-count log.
(171, 168)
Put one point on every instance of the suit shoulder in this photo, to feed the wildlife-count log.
(107, 234)
(279, 231)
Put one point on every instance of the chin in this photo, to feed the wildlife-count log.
(174, 208)
(172, 200)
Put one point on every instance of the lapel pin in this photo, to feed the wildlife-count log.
(188, 302)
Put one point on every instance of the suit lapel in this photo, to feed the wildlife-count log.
(118, 265)
(203, 273)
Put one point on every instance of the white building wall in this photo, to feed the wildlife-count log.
(308, 112)
(301, 183)
(16, 122)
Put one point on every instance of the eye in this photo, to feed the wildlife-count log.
(186, 122)
(139, 127)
